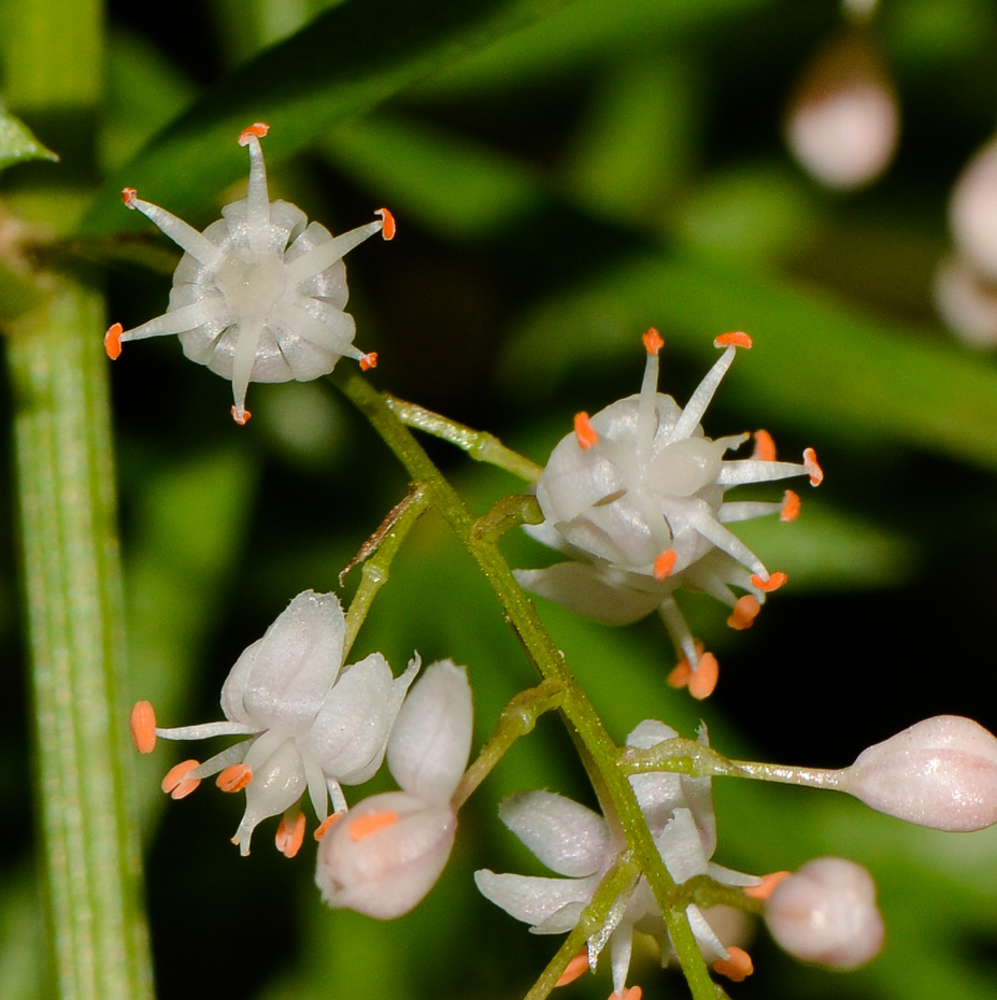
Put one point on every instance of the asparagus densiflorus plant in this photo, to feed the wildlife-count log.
(635, 497)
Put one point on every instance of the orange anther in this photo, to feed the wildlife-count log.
(176, 783)
(664, 564)
(112, 341)
(289, 841)
(633, 993)
(679, 677)
(574, 968)
(142, 723)
(234, 778)
(389, 228)
(769, 882)
(704, 678)
(745, 612)
(652, 341)
(128, 196)
(764, 447)
(259, 129)
(738, 339)
(813, 470)
(774, 582)
(368, 361)
(585, 432)
(323, 827)
(240, 415)
(737, 967)
(790, 507)
(364, 826)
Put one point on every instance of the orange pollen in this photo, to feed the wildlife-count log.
(745, 612)
(812, 468)
(289, 841)
(128, 196)
(679, 677)
(234, 778)
(323, 827)
(764, 447)
(389, 228)
(737, 967)
(368, 361)
(112, 341)
(774, 582)
(652, 341)
(364, 826)
(259, 129)
(790, 507)
(142, 723)
(704, 677)
(769, 882)
(633, 993)
(176, 783)
(738, 339)
(585, 432)
(664, 564)
(240, 416)
(574, 968)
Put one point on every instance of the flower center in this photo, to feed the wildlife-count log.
(251, 283)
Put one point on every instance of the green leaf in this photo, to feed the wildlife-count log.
(18, 144)
(342, 64)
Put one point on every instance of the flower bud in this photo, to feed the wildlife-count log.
(973, 211)
(940, 773)
(967, 303)
(826, 913)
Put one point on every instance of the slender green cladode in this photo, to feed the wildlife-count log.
(597, 748)
(71, 571)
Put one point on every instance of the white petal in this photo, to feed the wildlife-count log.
(531, 898)
(661, 792)
(275, 787)
(705, 936)
(566, 836)
(620, 948)
(681, 848)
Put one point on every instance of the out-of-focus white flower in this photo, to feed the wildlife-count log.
(940, 773)
(843, 121)
(973, 211)
(967, 303)
(259, 296)
(388, 851)
(826, 913)
(636, 497)
(580, 845)
(315, 725)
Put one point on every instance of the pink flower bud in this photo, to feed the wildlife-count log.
(826, 913)
(940, 773)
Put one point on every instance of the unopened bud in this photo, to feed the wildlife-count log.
(973, 211)
(940, 773)
(826, 913)
(967, 303)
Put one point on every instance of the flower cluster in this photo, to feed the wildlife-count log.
(259, 296)
(635, 496)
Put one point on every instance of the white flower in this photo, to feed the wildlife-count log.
(636, 497)
(315, 724)
(259, 295)
(579, 844)
(388, 851)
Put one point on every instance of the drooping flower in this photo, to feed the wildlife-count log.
(314, 724)
(388, 851)
(636, 497)
(580, 845)
(259, 296)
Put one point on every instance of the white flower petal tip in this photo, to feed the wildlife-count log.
(260, 295)
(826, 913)
(313, 724)
(940, 773)
(635, 497)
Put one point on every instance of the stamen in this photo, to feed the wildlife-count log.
(112, 341)
(240, 415)
(738, 339)
(142, 723)
(764, 447)
(128, 196)
(364, 826)
(745, 611)
(652, 341)
(704, 677)
(389, 228)
(633, 993)
(368, 361)
(323, 827)
(585, 432)
(813, 470)
(176, 784)
(769, 882)
(774, 582)
(737, 967)
(790, 507)
(664, 564)
(234, 778)
(289, 841)
(679, 677)
(574, 968)
(259, 129)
